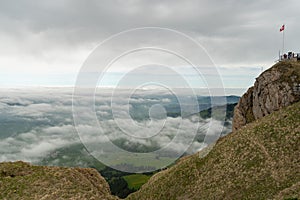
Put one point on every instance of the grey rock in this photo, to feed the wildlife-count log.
(274, 89)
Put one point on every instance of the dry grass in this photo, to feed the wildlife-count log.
(19, 180)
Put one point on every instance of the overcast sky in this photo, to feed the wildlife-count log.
(46, 42)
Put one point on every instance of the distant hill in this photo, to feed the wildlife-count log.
(259, 161)
(19, 180)
(229, 99)
(218, 112)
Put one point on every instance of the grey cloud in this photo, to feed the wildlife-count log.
(36, 144)
(232, 31)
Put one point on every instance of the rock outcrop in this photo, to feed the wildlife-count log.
(274, 89)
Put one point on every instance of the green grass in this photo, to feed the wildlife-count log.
(135, 181)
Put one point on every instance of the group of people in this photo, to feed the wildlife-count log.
(290, 56)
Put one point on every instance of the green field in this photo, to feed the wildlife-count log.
(135, 181)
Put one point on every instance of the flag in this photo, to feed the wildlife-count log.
(282, 28)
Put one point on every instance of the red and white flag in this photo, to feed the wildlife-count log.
(282, 28)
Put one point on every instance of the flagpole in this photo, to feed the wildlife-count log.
(283, 41)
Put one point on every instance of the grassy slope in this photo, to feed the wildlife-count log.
(260, 161)
(19, 180)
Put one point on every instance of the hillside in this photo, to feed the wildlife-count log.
(19, 180)
(259, 161)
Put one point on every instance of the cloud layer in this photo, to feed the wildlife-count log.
(37, 123)
(46, 42)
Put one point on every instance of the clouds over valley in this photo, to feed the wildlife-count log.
(37, 125)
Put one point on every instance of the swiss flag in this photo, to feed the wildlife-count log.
(282, 28)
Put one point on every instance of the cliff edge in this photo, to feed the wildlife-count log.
(274, 89)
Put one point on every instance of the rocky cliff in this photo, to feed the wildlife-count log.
(274, 89)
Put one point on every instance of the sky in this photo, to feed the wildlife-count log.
(46, 43)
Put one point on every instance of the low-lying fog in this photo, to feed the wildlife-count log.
(37, 123)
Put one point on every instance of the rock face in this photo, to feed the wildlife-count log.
(274, 89)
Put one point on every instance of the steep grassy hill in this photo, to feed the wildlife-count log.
(259, 161)
(19, 180)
